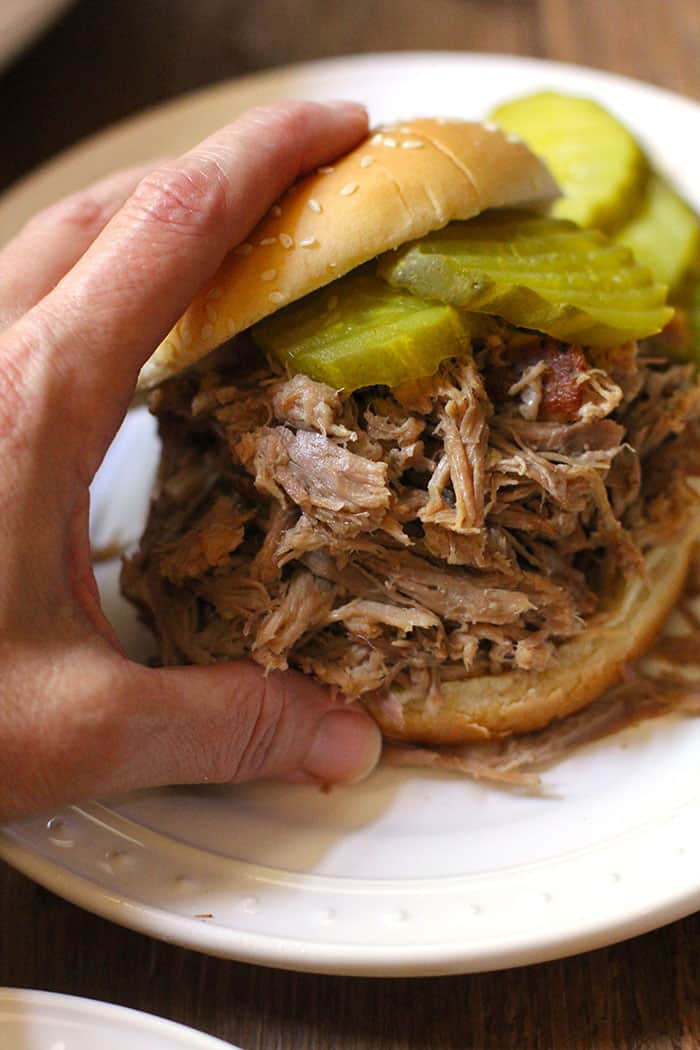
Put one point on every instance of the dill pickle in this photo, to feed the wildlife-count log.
(534, 272)
(693, 306)
(599, 166)
(359, 332)
(664, 234)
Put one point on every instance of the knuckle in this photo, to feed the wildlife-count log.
(36, 387)
(15, 409)
(82, 213)
(12, 387)
(260, 743)
(250, 725)
(191, 197)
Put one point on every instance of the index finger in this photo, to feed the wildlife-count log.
(102, 321)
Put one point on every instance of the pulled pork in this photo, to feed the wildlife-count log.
(460, 525)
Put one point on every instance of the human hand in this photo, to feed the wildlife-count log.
(87, 289)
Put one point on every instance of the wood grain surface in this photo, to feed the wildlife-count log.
(104, 60)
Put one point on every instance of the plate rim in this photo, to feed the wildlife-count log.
(286, 952)
(147, 1023)
(343, 959)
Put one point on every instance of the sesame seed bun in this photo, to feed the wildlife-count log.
(399, 184)
(520, 701)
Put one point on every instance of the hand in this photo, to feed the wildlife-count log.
(87, 289)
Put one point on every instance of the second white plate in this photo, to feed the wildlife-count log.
(32, 1020)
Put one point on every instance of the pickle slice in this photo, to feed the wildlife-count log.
(694, 321)
(599, 167)
(664, 233)
(534, 272)
(359, 332)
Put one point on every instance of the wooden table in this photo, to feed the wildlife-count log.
(105, 60)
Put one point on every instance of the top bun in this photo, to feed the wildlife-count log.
(399, 184)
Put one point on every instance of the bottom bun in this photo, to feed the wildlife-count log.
(520, 701)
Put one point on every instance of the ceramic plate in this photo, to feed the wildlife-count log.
(411, 872)
(43, 1021)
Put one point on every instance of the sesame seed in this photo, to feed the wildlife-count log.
(490, 126)
(267, 240)
(348, 188)
(308, 242)
(412, 144)
(377, 139)
(275, 211)
(328, 169)
(314, 205)
(268, 275)
(207, 331)
(391, 143)
(243, 249)
(277, 297)
(514, 139)
(332, 266)
(211, 313)
(214, 293)
(405, 130)
(367, 161)
(286, 241)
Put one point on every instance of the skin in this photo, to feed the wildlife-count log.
(87, 289)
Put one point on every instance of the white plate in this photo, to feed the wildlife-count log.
(43, 1021)
(412, 873)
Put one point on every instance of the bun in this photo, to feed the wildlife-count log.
(397, 185)
(520, 701)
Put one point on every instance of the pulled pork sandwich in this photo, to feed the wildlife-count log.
(438, 460)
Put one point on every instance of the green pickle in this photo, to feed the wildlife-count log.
(534, 272)
(664, 233)
(599, 166)
(359, 332)
(693, 307)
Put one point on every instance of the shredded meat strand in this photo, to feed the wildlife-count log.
(305, 603)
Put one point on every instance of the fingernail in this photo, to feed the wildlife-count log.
(347, 747)
(342, 105)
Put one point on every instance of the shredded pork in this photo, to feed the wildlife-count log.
(460, 525)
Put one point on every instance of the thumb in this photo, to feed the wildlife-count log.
(232, 722)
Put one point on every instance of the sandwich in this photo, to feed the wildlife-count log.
(423, 441)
